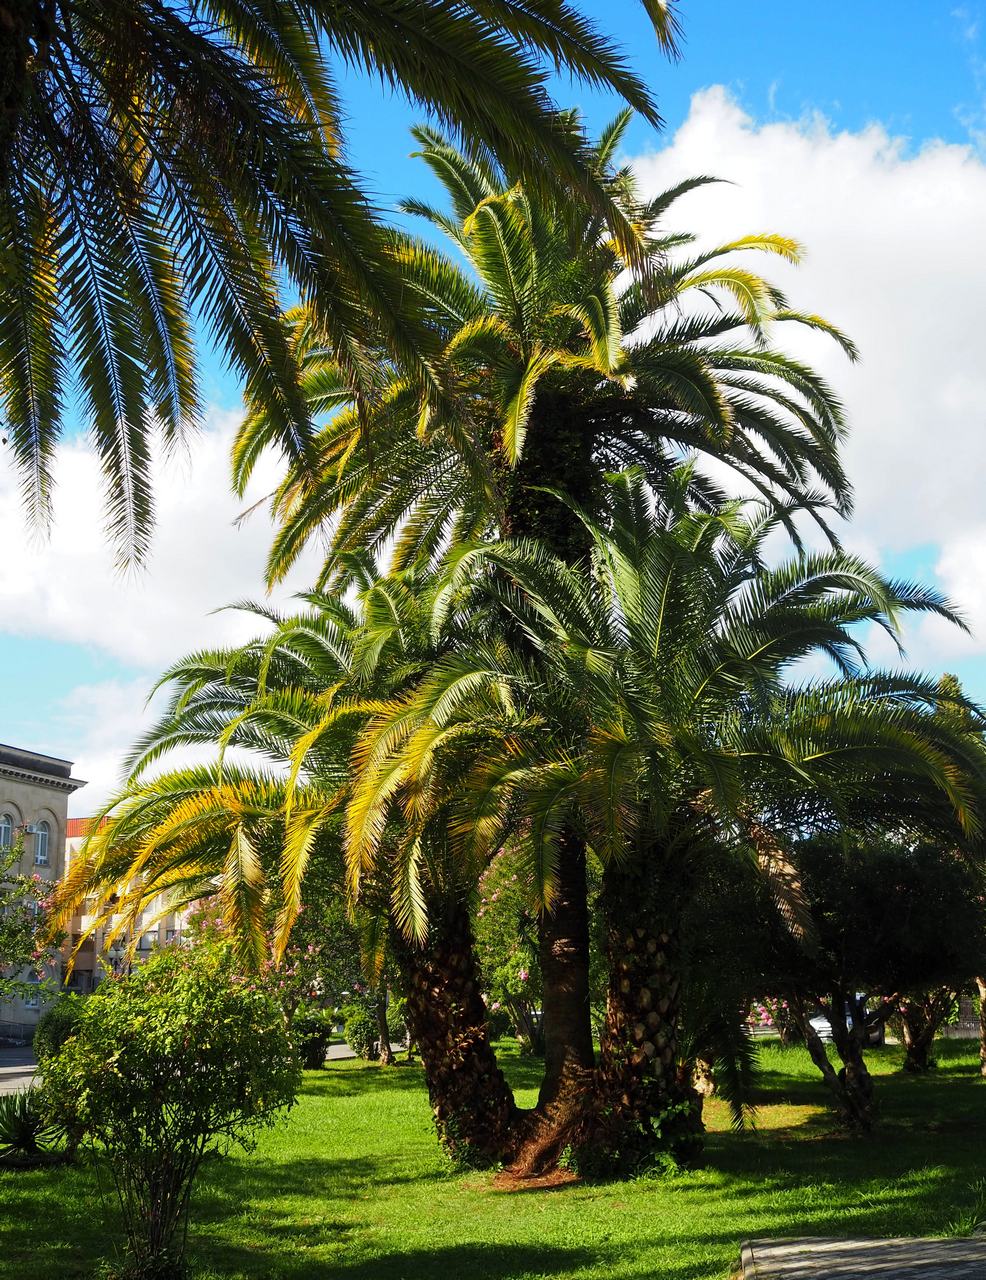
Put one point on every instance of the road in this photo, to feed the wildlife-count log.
(17, 1067)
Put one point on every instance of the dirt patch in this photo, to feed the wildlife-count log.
(508, 1180)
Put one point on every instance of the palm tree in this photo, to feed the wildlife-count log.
(556, 376)
(299, 693)
(659, 727)
(164, 164)
(558, 372)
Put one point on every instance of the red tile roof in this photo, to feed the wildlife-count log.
(75, 827)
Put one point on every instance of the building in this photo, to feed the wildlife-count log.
(93, 956)
(34, 792)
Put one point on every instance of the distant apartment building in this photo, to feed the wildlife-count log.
(97, 954)
(34, 792)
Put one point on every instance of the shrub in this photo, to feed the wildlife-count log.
(360, 1030)
(397, 1018)
(27, 1133)
(175, 1063)
(311, 1028)
(56, 1024)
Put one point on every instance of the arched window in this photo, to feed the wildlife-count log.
(41, 835)
(6, 830)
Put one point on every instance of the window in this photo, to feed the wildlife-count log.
(6, 830)
(33, 1000)
(41, 834)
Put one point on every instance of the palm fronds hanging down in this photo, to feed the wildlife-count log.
(163, 164)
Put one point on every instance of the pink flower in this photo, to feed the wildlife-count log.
(523, 975)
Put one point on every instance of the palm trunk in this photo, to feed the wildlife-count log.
(981, 986)
(472, 1103)
(564, 953)
(558, 455)
(645, 1108)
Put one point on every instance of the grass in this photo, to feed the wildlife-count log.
(353, 1187)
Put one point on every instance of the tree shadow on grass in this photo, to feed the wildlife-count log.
(352, 1078)
(477, 1261)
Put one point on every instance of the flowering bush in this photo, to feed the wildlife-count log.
(26, 949)
(506, 942)
(773, 1014)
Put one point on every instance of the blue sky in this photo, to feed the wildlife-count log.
(775, 96)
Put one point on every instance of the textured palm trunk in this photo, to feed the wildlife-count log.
(558, 455)
(981, 987)
(643, 1107)
(472, 1104)
(564, 954)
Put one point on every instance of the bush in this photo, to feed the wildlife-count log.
(56, 1025)
(311, 1028)
(360, 1030)
(397, 1018)
(27, 1133)
(173, 1064)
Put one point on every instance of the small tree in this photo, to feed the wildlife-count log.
(25, 949)
(178, 1062)
(918, 1020)
(891, 921)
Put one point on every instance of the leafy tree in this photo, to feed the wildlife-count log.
(890, 920)
(507, 948)
(163, 163)
(176, 1063)
(27, 947)
(917, 1020)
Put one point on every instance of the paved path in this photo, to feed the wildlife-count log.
(904, 1259)
(17, 1067)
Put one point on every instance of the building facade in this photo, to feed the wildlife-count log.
(96, 954)
(34, 792)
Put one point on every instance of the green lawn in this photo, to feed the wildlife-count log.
(353, 1187)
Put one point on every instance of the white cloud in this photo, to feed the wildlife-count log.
(102, 721)
(99, 724)
(67, 587)
(896, 255)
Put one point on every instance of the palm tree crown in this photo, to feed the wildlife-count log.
(558, 371)
(662, 703)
